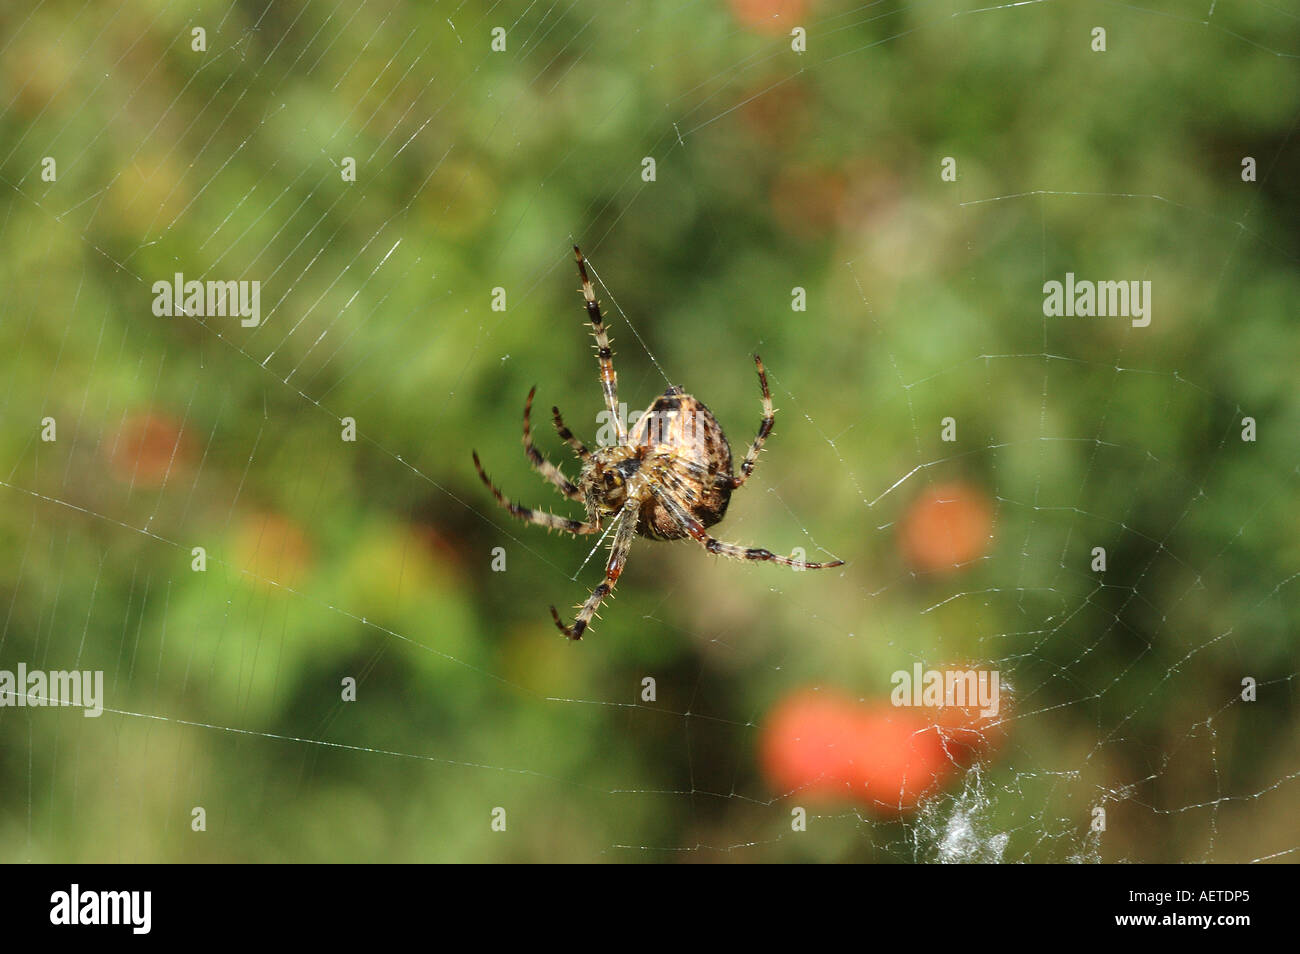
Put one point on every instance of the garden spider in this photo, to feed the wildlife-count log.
(671, 478)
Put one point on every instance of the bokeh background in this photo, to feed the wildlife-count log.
(774, 169)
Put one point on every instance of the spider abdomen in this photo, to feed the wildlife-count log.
(683, 450)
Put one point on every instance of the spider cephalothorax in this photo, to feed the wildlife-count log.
(669, 478)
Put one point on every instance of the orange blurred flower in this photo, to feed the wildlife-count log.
(272, 549)
(148, 449)
(946, 527)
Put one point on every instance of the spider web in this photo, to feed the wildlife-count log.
(329, 559)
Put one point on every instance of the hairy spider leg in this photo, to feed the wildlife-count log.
(539, 517)
(613, 568)
(764, 428)
(608, 379)
(566, 435)
(735, 552)
(540, 463)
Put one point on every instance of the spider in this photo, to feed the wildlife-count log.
(670, 478)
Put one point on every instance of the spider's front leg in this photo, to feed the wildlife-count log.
(566, 435)
(613, 570)
(540, 517)
(543, 466)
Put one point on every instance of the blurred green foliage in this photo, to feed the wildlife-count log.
(478, 170)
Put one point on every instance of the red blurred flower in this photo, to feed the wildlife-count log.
(826, 744)
(776, 17)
